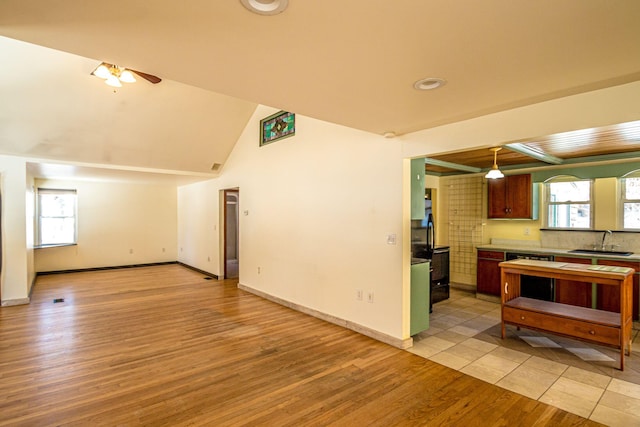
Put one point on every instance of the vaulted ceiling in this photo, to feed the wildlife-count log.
(352, 63)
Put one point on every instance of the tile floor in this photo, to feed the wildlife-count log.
(578, 377)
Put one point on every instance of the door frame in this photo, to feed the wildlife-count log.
(223, 208)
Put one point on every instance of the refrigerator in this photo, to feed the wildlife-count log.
(424, 245)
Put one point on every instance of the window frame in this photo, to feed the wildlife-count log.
(39, 217)
(547, 202)
(622, 199)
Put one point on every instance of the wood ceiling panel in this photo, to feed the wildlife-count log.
(623, 138)
(587, 143)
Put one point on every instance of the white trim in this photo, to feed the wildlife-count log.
(17, 301)
(371, 333)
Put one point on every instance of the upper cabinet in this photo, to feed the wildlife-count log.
(513, 196)
(417, 189)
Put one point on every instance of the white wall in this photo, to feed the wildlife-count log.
(198, 227)
(319, 208)
(319, 205)
(17, 261)
(115, 218)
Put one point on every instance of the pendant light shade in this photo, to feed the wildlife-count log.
(495, 173)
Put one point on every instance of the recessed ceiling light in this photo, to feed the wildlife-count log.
(265, 7)
(429, 83)
(389, 134)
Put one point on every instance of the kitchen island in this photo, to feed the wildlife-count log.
(585, 294)
(588, 324)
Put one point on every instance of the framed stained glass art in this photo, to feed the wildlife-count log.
(277, 126)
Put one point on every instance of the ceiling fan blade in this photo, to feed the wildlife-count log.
(151, 78)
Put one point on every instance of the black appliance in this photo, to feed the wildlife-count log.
(439, 275)
(541, 288)
(423, 238)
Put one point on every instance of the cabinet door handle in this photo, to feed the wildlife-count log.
(592, 332)
(506, 287)
(521, 317)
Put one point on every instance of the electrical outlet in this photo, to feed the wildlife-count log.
(208, 259)
(370, 297)
(258, 270)
(130, 251)
(527, 231)
(359, 294)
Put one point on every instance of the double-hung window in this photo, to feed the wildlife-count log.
(57, 211)
(630, 199)
(569, 203)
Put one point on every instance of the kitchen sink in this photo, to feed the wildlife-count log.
(597, 252)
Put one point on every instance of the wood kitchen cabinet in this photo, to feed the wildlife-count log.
(572, 292)
(513, 196)
(609, 296)
(488, 272)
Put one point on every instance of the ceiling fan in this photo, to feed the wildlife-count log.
(113, 75)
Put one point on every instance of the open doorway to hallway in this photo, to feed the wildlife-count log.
(231, 233)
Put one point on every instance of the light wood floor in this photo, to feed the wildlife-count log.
(162, 346)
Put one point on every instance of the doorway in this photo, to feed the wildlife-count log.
(231, 233)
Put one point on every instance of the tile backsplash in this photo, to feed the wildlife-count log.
(463, 209)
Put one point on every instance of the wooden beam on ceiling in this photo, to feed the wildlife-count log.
(521, 148)
(455, 166)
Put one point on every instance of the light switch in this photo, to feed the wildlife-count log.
(391, 239)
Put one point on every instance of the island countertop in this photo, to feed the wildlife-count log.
(555, 269)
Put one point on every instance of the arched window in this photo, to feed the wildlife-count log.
(569, 202)
(630, 200)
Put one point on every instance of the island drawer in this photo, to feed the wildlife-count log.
(564, 326)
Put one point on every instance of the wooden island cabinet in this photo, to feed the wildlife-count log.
(609, 298)
(572, 292)
(488, 272)
(587, 324)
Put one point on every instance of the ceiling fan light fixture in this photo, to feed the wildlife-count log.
(495, 173)
(113, 81)
(102, 71)
(127, 76)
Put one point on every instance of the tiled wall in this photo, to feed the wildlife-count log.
(463, 208)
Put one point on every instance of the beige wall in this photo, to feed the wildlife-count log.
(315, 212)
(316, 208)
(17, 255)
(114, 220)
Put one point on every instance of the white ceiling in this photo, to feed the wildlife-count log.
(348, 62)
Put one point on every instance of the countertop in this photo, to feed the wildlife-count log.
(555, 251)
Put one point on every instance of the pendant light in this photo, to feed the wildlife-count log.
(494, 173)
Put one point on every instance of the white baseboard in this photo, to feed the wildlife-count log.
(371, 333)
(18, 301)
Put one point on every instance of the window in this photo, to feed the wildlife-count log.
(569, 203)
(631, 201)
(56, 217)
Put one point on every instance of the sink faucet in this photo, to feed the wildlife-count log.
(604, 236)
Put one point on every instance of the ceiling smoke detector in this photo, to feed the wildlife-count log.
(265, 7)
(429, 83)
